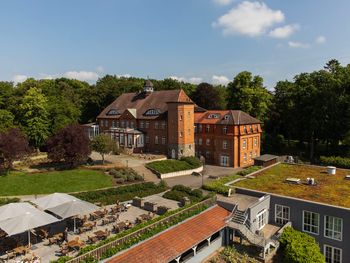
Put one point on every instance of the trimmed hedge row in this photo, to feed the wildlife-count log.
(218, 185)
(178, 192)
(122, 175)
(122, 193)
(169, 166)
(249, 170)
(337, 161)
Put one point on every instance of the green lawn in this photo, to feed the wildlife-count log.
(20, 183)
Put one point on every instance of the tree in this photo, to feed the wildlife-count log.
(298, 247)
(34, 116)
(13, 145)
(70, 145)
(208, 97)
(248, 94)
(6, 120)
(103, 144)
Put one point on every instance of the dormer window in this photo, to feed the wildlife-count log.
(152, 112)
(113, 112)
(213, 116)
(227, 117)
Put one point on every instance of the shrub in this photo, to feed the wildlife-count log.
(182, 188)
(249, 170)
(5, 201)
(337, 161)
(113, 172)
(219, 186)
(193, 161)
(169, 166)
(119, 180)
(178, 192)
(298, 247)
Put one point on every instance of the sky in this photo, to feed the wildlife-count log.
(189, 40)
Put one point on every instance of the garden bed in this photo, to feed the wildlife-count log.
(180, 192)
(170, 166)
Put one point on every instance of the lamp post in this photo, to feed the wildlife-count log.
(202, 159)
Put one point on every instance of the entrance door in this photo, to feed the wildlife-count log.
(224, 160)
(261, 219)
(173, 155)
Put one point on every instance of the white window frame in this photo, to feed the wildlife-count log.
(255, 141)
(141, 125)
(244, 144)
(224, 144)
(147, 124)
(261, 223)
(318, 223)
(207, 142)
(224, 130)
(244, 157)
(163, 140)
(332, 253)
(200, 141)
(331, 230)
(282, 218)
(207, 128)
(156, 139)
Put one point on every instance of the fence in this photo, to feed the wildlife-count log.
(98, 252)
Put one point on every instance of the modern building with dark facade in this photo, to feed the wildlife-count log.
(168, 122)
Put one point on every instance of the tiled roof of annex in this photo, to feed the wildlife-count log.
(175, 241)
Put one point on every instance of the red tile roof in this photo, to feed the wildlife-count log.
(175, 241)
(235, 117)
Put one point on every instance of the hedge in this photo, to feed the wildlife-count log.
(299, 247)
(122, 175)
(122, 193)
(337, 161)
(249, 170)
(5, 201)
(169, 166)
(218, 185)
(178, 192)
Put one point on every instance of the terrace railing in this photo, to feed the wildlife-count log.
(98, 252)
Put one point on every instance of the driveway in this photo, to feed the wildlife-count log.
(196, 181)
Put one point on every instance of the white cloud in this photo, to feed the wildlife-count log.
(249, 18)
(220, 80)
(19, 78)
(124, 76)
(82, 75)
(283, 31)
(295, 44)
(321, 40)
(193, 80)
(100, 69)
(223, 2)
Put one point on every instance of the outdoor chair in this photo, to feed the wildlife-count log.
(92, 239)
(10, 255)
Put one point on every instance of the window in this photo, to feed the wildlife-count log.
(147, 124)
(224, 144)
(282, 214)
(163, 125)
(200, 141)
(224, 130)
(213, 116)
(224, 160)
(121, 139)
(117, 124)
(156, 125)
(141, 125)
(132, 125)
(127, 124)
(180, 117)
(255, 141)
(122, 124)
(181, 134)
(113, 112)
(208, 142)
(332, 254)
(156, 139)
(195, 128)
(251, 128)
(311, 222)
(113, 124)
(106, 123)
(163, 140)
(101, 123)
(189, 114)
(333, 227)
(245, 129)
(227, 117)
(207, 128)
(244, 157)
(147, 139)
(152, 112)
(250, 156)
(244, 146)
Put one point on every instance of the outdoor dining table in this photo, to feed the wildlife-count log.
(100, 234)
(111, 218)
(99, 213)
(74, 244)
(21, 250)
(88, 224)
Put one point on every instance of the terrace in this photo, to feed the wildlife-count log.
(329, 189)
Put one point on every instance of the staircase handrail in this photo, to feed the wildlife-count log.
(229, 217)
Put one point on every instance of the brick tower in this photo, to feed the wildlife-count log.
(180, 129)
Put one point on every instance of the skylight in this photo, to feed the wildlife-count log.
(152, 112)
(113, 112)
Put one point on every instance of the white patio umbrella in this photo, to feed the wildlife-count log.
(15, 209)
(73, 208)
(26, 222)
(52, 200)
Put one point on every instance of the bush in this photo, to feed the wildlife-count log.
(298, 247)
(5, 201)
(122, 193)
(337, 161)
(178, 192)
(249, 170)
(119, 180)
(182, 188)
(169, 166)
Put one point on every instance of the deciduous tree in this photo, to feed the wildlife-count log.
(103, 144)
(70, 145)
(208, 97)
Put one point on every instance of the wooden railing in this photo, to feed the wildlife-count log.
(98, 252)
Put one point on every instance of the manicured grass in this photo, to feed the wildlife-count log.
(330, 189)
(169, 166)
(20, 183)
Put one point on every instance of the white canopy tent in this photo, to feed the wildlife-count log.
(73, 208)
(53, 200)
(26, 222)
(15, 209)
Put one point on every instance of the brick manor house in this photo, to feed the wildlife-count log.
(169, 122)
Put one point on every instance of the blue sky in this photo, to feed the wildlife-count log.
(192, 40)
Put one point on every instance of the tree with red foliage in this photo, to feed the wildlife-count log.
(13, 146)
(70, 145)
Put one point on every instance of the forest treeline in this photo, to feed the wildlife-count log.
(307, 116)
